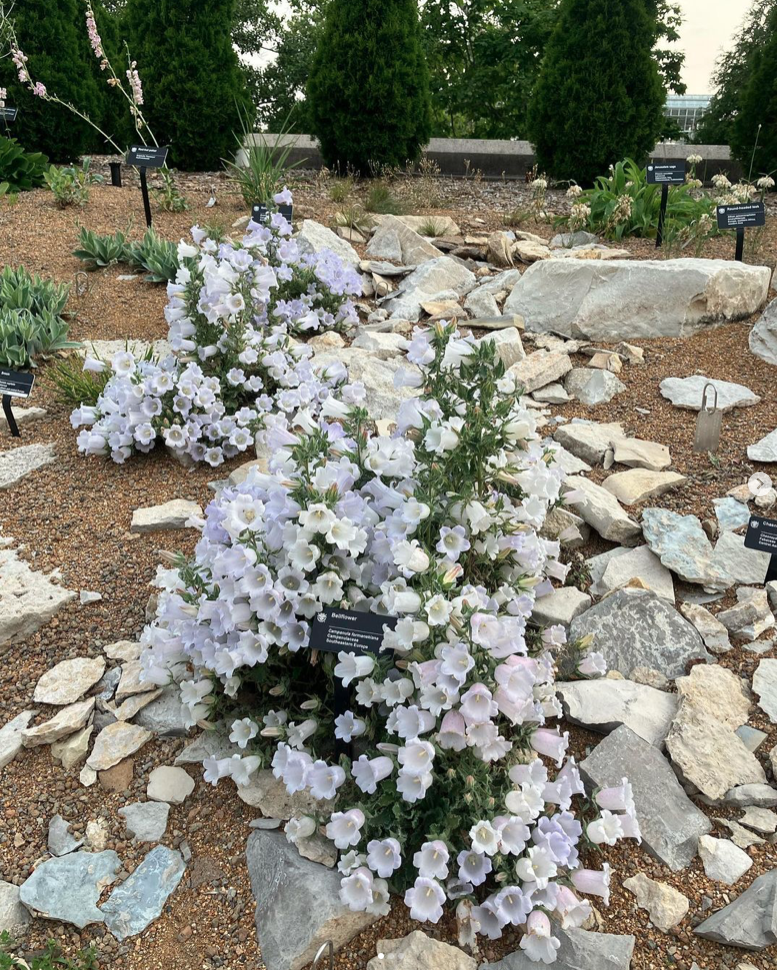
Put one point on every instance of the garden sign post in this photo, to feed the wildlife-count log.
(748, 215)
(664, 174)
(144, 157)
(14, 384)
(260, 212)
(761, 536)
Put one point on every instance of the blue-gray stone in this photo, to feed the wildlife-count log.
(139, 900)
(579, 950)
(731, 515)
(750, 921)
(60, 841)
(68, 888)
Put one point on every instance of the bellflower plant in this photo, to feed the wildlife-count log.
(233, 308)
(458, 791)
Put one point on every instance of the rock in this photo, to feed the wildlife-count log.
(385, 245)
(383, 399)
(146, 821)
(670, 823)
(164, 716)
(763, 336)
(603, 705)
(140, 898)
(60, 841)
(571, 240)
(715, 692)
(764, 450)
(750, 921)
(87, 777)
(444, 226)
(760, 820)
(603, 360)
(426, 283)
(682, 546)
(500, 249)
(11, 738)
(750, 617)
(124, 651)
(641, 564)
(765, 686)
(385, 345)
(118, 778)
(601, 511)
(708, 754)
(115, 743)
(740, 836)
(13, 916)
(592, 387)
(481, 303)
(638, 485)
(23, 417)
(731, 515)
(641, 454)
(65, 722)
(579, 950)
(651, 678)
(97, 834)
(269, 795)
(711, 630)
(86, 597)
(297, 903)
(763, 796)
(737, 564)
(540, 368)
(552, 394)
(564, 526)
(313, 238)
(18, 463)
(28, 599)
(318, 849)
(508, 345)
(172, 785)
(164, 518)
(751, 737)
(666, 906)
(329, 340)
(561, 606)
(686, 392)
(418, 952)
(589, 440)
(68, 681)
(636, 628)
(624, 300)
(68, 888)
(398, 241)
(127, 710)
(72, 750)
(722, 860)
(214, 743)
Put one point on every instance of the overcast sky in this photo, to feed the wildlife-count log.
(709, 26)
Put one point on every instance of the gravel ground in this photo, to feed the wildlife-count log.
(75, 514)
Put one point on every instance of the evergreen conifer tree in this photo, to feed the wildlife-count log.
(368, 90)
(599, 97)
(754, 132)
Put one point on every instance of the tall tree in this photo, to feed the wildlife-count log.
(732, 73)
(54, 39)
(369, 86)
(194, 89)
(754, 130)
(599, 97)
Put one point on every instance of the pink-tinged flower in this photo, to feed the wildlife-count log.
(344, 828)
(384, 857)
(356, 890)
(432, 861)
(137, 88)
(452, 736)
(537, 941)
(593, 882)
(425, 900)
(618, 799)
(368, 772)
(550, 743)
(39, 90)
(571, 910)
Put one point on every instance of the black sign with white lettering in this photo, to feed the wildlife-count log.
(334, 630)
(761, 534)
(666, 173)
(15, 383)
(259, 212)
(8, 114)
(147, 156)
(745, 216)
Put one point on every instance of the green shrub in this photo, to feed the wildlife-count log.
(168, 197)
(70, 185)
(623, 204)
(21, 171)
(382, 201)
(100, 251)
(157, 256)
(31, 320)
(753, 136)
(21, 291)
(599, 97)
(368, 91)
(74, 385)
(262, 173)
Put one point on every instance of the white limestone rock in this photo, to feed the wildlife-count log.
(28, 599)
(560, 607)
(722, 860)
(68, 681)
(686, 393)
(18, 463)
(638, 485)
(164, 518)
(602, 512)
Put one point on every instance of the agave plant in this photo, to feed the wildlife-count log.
(24, 335)
(97, 251)
(157, 256)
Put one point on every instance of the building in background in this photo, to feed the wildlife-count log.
(687, 110)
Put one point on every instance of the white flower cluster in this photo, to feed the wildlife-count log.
(436, 526)
(232, 310)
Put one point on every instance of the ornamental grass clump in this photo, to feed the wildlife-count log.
(232, 309)
(458, 789)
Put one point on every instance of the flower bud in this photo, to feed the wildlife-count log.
(469, 781)
(278, 691)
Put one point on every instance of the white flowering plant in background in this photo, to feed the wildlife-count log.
(458, 790)
(232, 312)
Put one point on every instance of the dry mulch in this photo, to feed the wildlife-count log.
(74, 516)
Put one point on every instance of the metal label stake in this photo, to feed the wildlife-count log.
(329, 945)
(9, 417)
(708, 423)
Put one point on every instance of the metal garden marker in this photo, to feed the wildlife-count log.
(664, 174)
(747, 215)
(708, 423)
(329, 945)
(144, 157)
(14, 384)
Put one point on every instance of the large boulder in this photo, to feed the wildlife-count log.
(433, 277)
(377, 375)
(313, 238)
(603, 705)
(624, 300)
(763, 336)
(395, 238)
(750, 921)
(298, 906)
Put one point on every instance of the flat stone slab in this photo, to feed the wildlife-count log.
(313, 238)
(13, 916)
(750, 921)
(68, 888)
(636, 628)
(736, 563)
(169, 784)
(146, 821)
(164, 518)
(639, 563)
(28, 599)
(603, 705)
(682, 546)
(539, 369)
(139, 900)
(560, 607)
(639, 485)
(64, 723)
(60, 841)
(18, 463)
(765, 686)
(722, 860)
(731, 515)
(116, 742)
(686, 393)
(602, 511)
(11, 739)
(164, 715)
(419, 951)
(297, 903)
(69, 680)
(579, 950)
(635, 453)
(589, 440)
(427, 282)
(670, 823)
